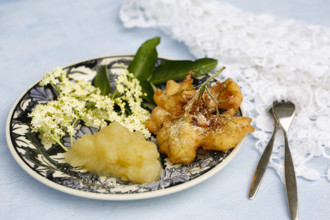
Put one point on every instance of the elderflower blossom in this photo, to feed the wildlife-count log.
(131, 92)
(53, 78)
(56, 118)
(81, 101)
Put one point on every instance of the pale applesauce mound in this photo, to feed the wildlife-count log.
(117, 151)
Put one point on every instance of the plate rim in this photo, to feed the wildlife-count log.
(104, 196)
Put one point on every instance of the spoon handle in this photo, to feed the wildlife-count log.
(290, 180)
(262, 165)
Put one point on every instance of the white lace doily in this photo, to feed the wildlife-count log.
(269, 57)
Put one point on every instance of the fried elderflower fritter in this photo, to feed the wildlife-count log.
(179, 141)
(186, 119)
(175, 96)
(228, 135)
(227, 95)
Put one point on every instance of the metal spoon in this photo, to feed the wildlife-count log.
(284, 112)
(263, 162)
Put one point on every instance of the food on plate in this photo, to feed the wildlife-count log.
(180, 140)
(186, 119)
(175, 96)
(80, 101)
(225, 95)
(228, 134)
(116, 150)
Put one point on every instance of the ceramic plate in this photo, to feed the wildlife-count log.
(46, 163)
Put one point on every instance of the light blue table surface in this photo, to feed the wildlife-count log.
(36, 36)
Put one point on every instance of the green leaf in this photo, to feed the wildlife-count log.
(101, 80)
(148, 89)
(178, 69)
(145, 59)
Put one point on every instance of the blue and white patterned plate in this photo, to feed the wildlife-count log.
(46, 163)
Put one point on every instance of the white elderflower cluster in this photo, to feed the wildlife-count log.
(57, 118)
(131, 91)
(80, 100)
(53, 78)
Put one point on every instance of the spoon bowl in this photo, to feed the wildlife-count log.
(284, 112)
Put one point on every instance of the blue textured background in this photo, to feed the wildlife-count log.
(36, 36)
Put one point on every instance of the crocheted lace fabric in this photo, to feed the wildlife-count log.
(270, 58)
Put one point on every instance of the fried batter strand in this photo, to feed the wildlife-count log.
(186, 119)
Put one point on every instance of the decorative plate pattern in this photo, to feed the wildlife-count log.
(46, 163)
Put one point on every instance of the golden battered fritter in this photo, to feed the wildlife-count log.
(227, 95)
(179, 141)
(175, 96)
(158, 116)
(186, 119)
(228, 135)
